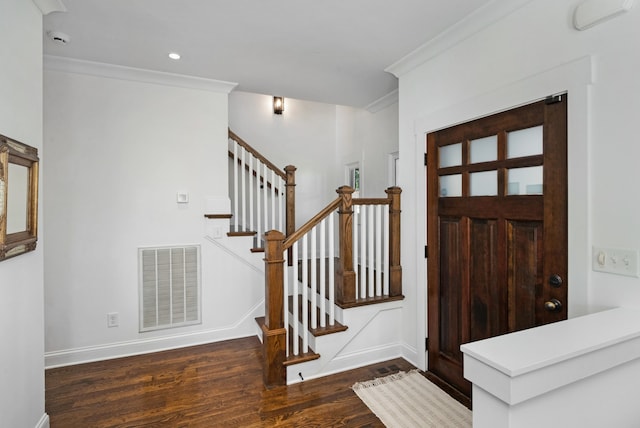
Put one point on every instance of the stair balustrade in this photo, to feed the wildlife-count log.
(263, 195)
(308, 273)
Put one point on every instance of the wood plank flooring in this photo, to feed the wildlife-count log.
(214, 385)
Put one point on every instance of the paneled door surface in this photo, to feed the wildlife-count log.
(497, 229)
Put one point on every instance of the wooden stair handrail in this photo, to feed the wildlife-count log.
(257, 154)
(371, 201)
(315, 220)
(263, 180)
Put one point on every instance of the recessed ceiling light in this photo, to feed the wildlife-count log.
(174, 55)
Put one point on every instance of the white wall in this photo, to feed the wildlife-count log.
(21, 305)
(303, 136)
(319, 140)
(374, 138)
(119, 149)
(519, 58)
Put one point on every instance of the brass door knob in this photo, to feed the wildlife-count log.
(553, 305)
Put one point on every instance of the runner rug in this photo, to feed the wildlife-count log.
(410, 400)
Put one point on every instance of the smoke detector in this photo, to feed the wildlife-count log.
(59, 37)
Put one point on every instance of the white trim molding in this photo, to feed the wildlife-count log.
(383, 102)
(473, 23)
(43, 422)
(48, 6)
(69, 65)
(592, 12)
(245, 326)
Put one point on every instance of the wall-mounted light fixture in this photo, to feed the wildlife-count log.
(278, 105)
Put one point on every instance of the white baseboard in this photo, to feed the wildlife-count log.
(43, 422)
(410, 354)
(343, 363)
(245, 328)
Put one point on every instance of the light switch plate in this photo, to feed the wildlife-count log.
(182, 197)
(615, 260)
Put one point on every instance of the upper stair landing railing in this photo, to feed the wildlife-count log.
(257, 188)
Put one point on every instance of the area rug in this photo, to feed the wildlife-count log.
(410, 400)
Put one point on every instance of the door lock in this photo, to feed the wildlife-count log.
(555, 280)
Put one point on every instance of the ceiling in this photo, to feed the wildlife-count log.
(332, 51)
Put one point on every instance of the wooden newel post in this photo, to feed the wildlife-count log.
(395, 269)
(290, 186)
(274, 333)
(290, 204)
(346, 280)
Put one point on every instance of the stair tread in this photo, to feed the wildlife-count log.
(294, 359)
(318, 331)
(240, 231)
(245, 233)
(302, 357)
(370, 301)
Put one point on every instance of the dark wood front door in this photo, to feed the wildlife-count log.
(497, 229)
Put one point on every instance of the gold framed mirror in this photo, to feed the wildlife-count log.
(18, 198)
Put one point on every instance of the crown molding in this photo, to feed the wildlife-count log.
(458, 32)
(48, 6)
(69, 65)
(383, 102)
(593, 12)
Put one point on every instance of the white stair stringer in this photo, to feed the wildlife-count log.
(240, 247)
(372, 336)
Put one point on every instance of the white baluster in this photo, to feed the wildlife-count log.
(356, 255)
(332, 292)
(235, 185)
(296, 344)
(258, 206)
(274, 199)
(251, 185)
(323, 273)
(285, 285)
(314, 281)
(244, 190)
(370, 246)
(378, 238)
(305, 285)
(363, 251)
(265, 195)
(385, 246)
(281, 199)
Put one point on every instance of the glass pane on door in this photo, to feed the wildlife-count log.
(484, 149)
(451, 185)
(525, 181)
(483, 183)
(524, 142)
(450, 155)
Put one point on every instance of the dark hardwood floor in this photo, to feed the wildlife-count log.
(215, 385)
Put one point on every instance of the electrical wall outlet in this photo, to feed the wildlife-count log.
(615, 260)
(112, 319)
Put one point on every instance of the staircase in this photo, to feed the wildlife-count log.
(333, 287)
